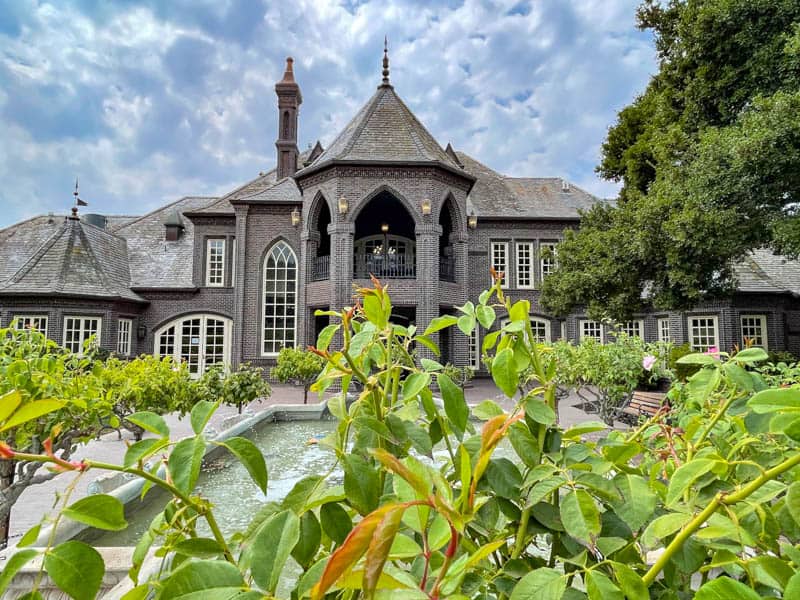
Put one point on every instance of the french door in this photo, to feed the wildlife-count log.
(200, 341)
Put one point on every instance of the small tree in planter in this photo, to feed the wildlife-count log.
(236, 388)
(298, 367)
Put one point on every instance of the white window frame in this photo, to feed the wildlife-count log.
(175, 340)
(233, 262)
(493, 246)
(82, 330)
(582, 323)
(629, 326)
(530, 266)
(535, 322)
(28, 321)
(124, 330)
(285, 304)
(663, 329)
(475, 349)
(762, 324)
(691, 327)
(550, 262)
(215, 273)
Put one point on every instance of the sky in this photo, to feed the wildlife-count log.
(146, 102)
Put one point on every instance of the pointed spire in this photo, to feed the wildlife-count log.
(385, 73)
(288, 74)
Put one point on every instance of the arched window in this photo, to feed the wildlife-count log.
(280, 299)
(198, 340)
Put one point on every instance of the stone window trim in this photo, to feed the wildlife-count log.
(124, 331)
(753, 327)
(287, 270)
(499, 260)
(526, 264)
(234, 259)
(31, 321)
(663, 329)
(703, 331)
(588, 328)
(78, 329)
(215, 261)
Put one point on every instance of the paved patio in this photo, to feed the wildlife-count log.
(38, 500)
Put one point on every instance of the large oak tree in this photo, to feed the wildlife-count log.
(709, 161)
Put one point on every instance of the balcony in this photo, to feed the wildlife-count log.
(321, 268)
(384, 266)
(447, 269)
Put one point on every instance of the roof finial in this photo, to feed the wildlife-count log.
(385, 61)
(288, 74)
(78, 201)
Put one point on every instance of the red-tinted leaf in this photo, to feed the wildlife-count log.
(390, 462)
(379, 548)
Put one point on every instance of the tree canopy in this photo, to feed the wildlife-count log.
(709, 161)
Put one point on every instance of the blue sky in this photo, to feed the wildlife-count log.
(146, 102)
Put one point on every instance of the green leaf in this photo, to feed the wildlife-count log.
(271, 546)
(439, 323)
(539, 411)
(252, 459)
(697, 358)
(361, 484)
(504, 478)
(326, 335)
(504, 373)
(685, 475)
(206, 579)
(30, 536)
(793, 501)
(486, 410)
(201, 413)
(151, 422)
(430, 366)
(725, 588)
(638, 501)
(9, 403)
(297, 498)
(184, 463)
(664, 526)
(309, 541)
(142, 450)
(750, 355)
(485, 315)
(580, 515)
(455, 406)
(30, 411)
(466, 323)
(199, 548)
(541, 584)
(414, 384)
(100, 511)
(792, 589)
(600, 587)
(775, 400)
(335, 521)
(76, 568)
(13, 565)
(631, 583)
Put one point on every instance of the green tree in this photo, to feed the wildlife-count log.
(235, 388)
(299, 367)
(709, 159)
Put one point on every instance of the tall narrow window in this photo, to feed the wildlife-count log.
(703, 333)
(632, 328)
(754, 330)
(499, 260)
(525, 264)
(233, 262)
(591, 329)
(280, 299)
(77, 330)
(663, 330)
(547, 253)
(475, 349)
(215, 263)
(124, 327)
(38, 322)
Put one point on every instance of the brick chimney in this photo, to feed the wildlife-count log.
(289, 101)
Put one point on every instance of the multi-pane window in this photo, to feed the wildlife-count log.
(632, 328)
(754, 330)
(215, 263)
(499, 260)
(199, 341)
(703, 333)
(525, 264)
(77, 330)
(547, 252)
(38, 322)
(663, 330)
(475, 349)
(541, 330)
(280, 299)
(590, 329)
(124, 327)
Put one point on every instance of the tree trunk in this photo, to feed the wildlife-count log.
(7, 470)
(305, 394)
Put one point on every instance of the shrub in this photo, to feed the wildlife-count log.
(299, 367)
(461, 376)
(235, 388)
(682, 371)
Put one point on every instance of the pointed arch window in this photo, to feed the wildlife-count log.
(279, 300)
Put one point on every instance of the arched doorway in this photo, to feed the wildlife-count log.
(447, 261)
(320, 220)
(385, 243)
(199, 340)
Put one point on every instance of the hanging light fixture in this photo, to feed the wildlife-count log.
(472, 221)
(385, 227)
(426, 207)
(342, 205)
(295, 217)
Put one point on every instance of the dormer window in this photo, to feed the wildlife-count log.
(173, 227)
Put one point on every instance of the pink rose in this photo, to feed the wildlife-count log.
(648, 361)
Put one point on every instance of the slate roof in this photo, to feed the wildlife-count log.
(154, 262)
(764, 271)
(384, 130)
(497, 196)
(78, 259)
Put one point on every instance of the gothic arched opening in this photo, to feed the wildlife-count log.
(447, 265)
(385, 242)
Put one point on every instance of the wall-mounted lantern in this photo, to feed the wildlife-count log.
(426, 207)
(141, 331)
(385, 227)
(342, 205)
(295, 217)
(472, 221)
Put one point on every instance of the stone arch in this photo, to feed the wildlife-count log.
(449, 202)
(381, 189)
(319, 217)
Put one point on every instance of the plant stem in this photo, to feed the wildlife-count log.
(519, 543)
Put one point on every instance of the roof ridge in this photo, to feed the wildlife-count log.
(421, 125)
(28, 220)
(155, 210)
(369, 110)
(39, 254)
(274, 185)
(84, 238)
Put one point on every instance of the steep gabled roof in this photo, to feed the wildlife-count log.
(77, 260)
(384, 131)
(764, 271)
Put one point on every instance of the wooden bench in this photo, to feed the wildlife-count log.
(645, 404)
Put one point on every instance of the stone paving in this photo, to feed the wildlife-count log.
(38, 500)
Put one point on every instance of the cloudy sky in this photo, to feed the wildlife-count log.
(146, 102)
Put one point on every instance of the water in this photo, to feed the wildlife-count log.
(226, 483)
